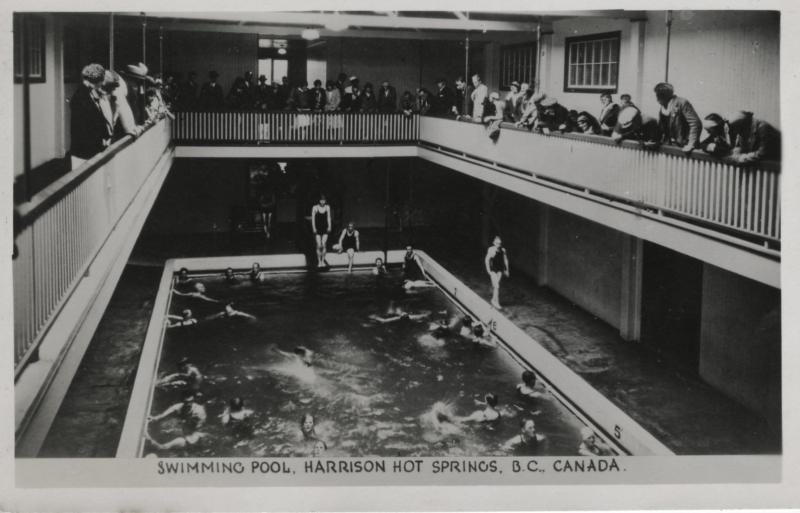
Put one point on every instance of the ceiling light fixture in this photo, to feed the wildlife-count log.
(310, 34)
(281, 51)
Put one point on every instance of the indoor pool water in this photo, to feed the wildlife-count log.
(374, 389)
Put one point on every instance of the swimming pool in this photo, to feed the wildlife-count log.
(375, 388)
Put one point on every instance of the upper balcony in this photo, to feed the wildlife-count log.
(695, 204)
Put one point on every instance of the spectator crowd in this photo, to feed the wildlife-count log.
(110, 104)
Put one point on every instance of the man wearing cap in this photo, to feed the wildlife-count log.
(753, 139)
(479, 94)
(211, 96)
(631, 124)
(387, 98)
(532, 106)
(520, 101)
(717, 143)
(351, 99)
(552, 115)
(89, 126)
(135, 76)
(680, 124)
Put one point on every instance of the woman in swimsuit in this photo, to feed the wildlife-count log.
(230, 313)
(321, 226)
(496, 262)
(349, 243)
(198, 293)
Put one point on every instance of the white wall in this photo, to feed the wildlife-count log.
(719, 60)
(46, 106)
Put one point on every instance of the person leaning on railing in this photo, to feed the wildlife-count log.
(680, 124)
(333, 97)
(633, 125)
(753, 139)
(90, 129)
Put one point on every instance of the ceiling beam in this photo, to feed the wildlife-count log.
(320, 20)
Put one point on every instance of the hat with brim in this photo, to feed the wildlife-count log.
(548, 102)
(710, 124)
(137, 71)
(627, 116)
(537, 98)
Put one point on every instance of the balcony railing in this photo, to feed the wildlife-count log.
(63, 227)
(698, 188)
(294, 128)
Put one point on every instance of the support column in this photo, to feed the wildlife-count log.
(636, 57)
(630, 317)
(543, 247)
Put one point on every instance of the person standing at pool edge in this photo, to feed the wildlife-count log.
(496, 262)
(321, 226)
(350, 243)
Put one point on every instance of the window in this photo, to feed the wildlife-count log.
(517, 62)
(591, 63)
(34, 32)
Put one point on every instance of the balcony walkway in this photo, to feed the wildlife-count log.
(684, 413)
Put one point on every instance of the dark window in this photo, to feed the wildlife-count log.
(591, 63)
(34, 39)
(517, 62)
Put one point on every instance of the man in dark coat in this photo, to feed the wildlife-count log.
(753, 139)
(680, 124)
(445, 99)
(552, 116)
(318, 96)
(89, 128)
(608, 114)
(211, 96)
(387, 98)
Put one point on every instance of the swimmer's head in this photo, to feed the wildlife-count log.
(491, 399)
(379, 262)
(466, 321)
(351, 226)
(229, 272)
(319, 447)
(307, 424)
(256, 266)
(497, 241)
(229, 306)
(478, 330)
(183, 273)
(187, 314)
(183, 363)
(528, 427)
(587, 435)
(199, 287)
(409, 248)
(529, 378)
(236, 404)
(199, 398)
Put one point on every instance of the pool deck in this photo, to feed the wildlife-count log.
(684, 413)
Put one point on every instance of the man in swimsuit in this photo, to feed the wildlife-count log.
(183, 320)
(349, 242)
(188, 375)
(488, 414)
(528, 386)
(591, 445)
(379, 269)
(321, 226)
(412, 271)
(230, 276)
(496, 262)
(255, 271)
(191, 410)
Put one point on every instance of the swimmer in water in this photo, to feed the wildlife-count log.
(307, 427)
(183, 277)
(187, 375)
(255, 272)
(466, 327)
(230, 313)
(488, 414)
(482, 336)
(528, 386)
(417, 284)
(349, 243)
(180, 321)
(527, 440)
(321, 227)
(379, 269)
(591, 445)
(400, 315)
(230, 276)
(191, 410)
(306, 355)
(318, 448)
(235, 412)
(198, 293)
(191, 436)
